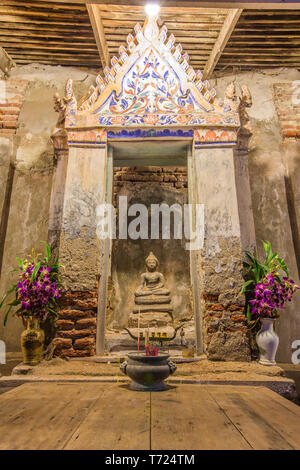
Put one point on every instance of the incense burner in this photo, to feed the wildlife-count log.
(148, 372)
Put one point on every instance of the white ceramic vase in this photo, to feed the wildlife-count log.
(267, 342)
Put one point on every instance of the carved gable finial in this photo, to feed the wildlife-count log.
(245, 131)
(151, 29)
(230, 99)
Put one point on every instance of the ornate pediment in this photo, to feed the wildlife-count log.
(150, 84)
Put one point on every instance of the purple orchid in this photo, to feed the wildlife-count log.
(270, 294)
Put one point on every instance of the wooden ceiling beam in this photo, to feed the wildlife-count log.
(224, 35)
(96, 22)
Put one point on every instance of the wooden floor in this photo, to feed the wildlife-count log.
(109, 416)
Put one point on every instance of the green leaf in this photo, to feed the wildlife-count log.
(267, 247)
(6, 315)
(51, 310)
(20, 262)
(14, 302)
(283, 266)
(277, 278)
(35, 270)
(7, 294)
(249, 255)
(248, 314)
(48, 251)
(246, 284)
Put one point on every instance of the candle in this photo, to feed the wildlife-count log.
(147, 337)
(139, 330)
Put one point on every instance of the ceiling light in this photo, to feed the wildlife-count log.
(152, 9)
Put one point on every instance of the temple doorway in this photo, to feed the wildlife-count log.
(149, 173)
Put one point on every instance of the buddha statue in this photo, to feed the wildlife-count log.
(152, 299)
(152, 287)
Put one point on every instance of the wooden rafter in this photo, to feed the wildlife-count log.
(224, 35)
(96, 22)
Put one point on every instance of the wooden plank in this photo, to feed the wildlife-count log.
(20, 19)
(120, 420)
(177, 13)
(279, 413)
(191, 3)
(44, 415)
(177, 32)
(96, 22)
(252, 425)
(250, 59)
(264, 53)
(272, 21)
(34, 37)
(41, 53)
(27, 27)
(49, 15)
(48, 45)
(78, 63)
(44, 4)
(225, 33)
(188, 418)
(165, 9)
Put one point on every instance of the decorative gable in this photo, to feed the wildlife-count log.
(150, 84)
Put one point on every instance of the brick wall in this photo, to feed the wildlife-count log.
(287, 101)
(175, 177)
(76, 325)
(224, 323)
(12, 94)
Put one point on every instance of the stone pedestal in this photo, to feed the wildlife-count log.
(151, 318)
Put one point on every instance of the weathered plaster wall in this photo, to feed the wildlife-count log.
(267, 171)
(25, 145)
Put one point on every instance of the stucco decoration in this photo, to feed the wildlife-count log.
(63, 106)
(150, 84)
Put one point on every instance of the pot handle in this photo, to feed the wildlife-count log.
(172, 367)
(123, 367)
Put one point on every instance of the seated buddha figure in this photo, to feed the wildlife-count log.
(152, 288)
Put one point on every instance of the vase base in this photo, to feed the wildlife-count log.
(31, 363)
(148, 388)
(265, 362)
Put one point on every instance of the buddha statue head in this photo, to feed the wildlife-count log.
(151, 262)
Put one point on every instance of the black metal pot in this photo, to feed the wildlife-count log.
(148, 372)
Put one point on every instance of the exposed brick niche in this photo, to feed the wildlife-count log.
(287, 101)
(175, 177)
(76, 326)
(12, 93)
(224, 324)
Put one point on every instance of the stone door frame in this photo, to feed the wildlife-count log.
(107, 247)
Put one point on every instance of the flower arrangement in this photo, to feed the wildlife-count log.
(37, 288)
(152, 350)
(266, 290)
